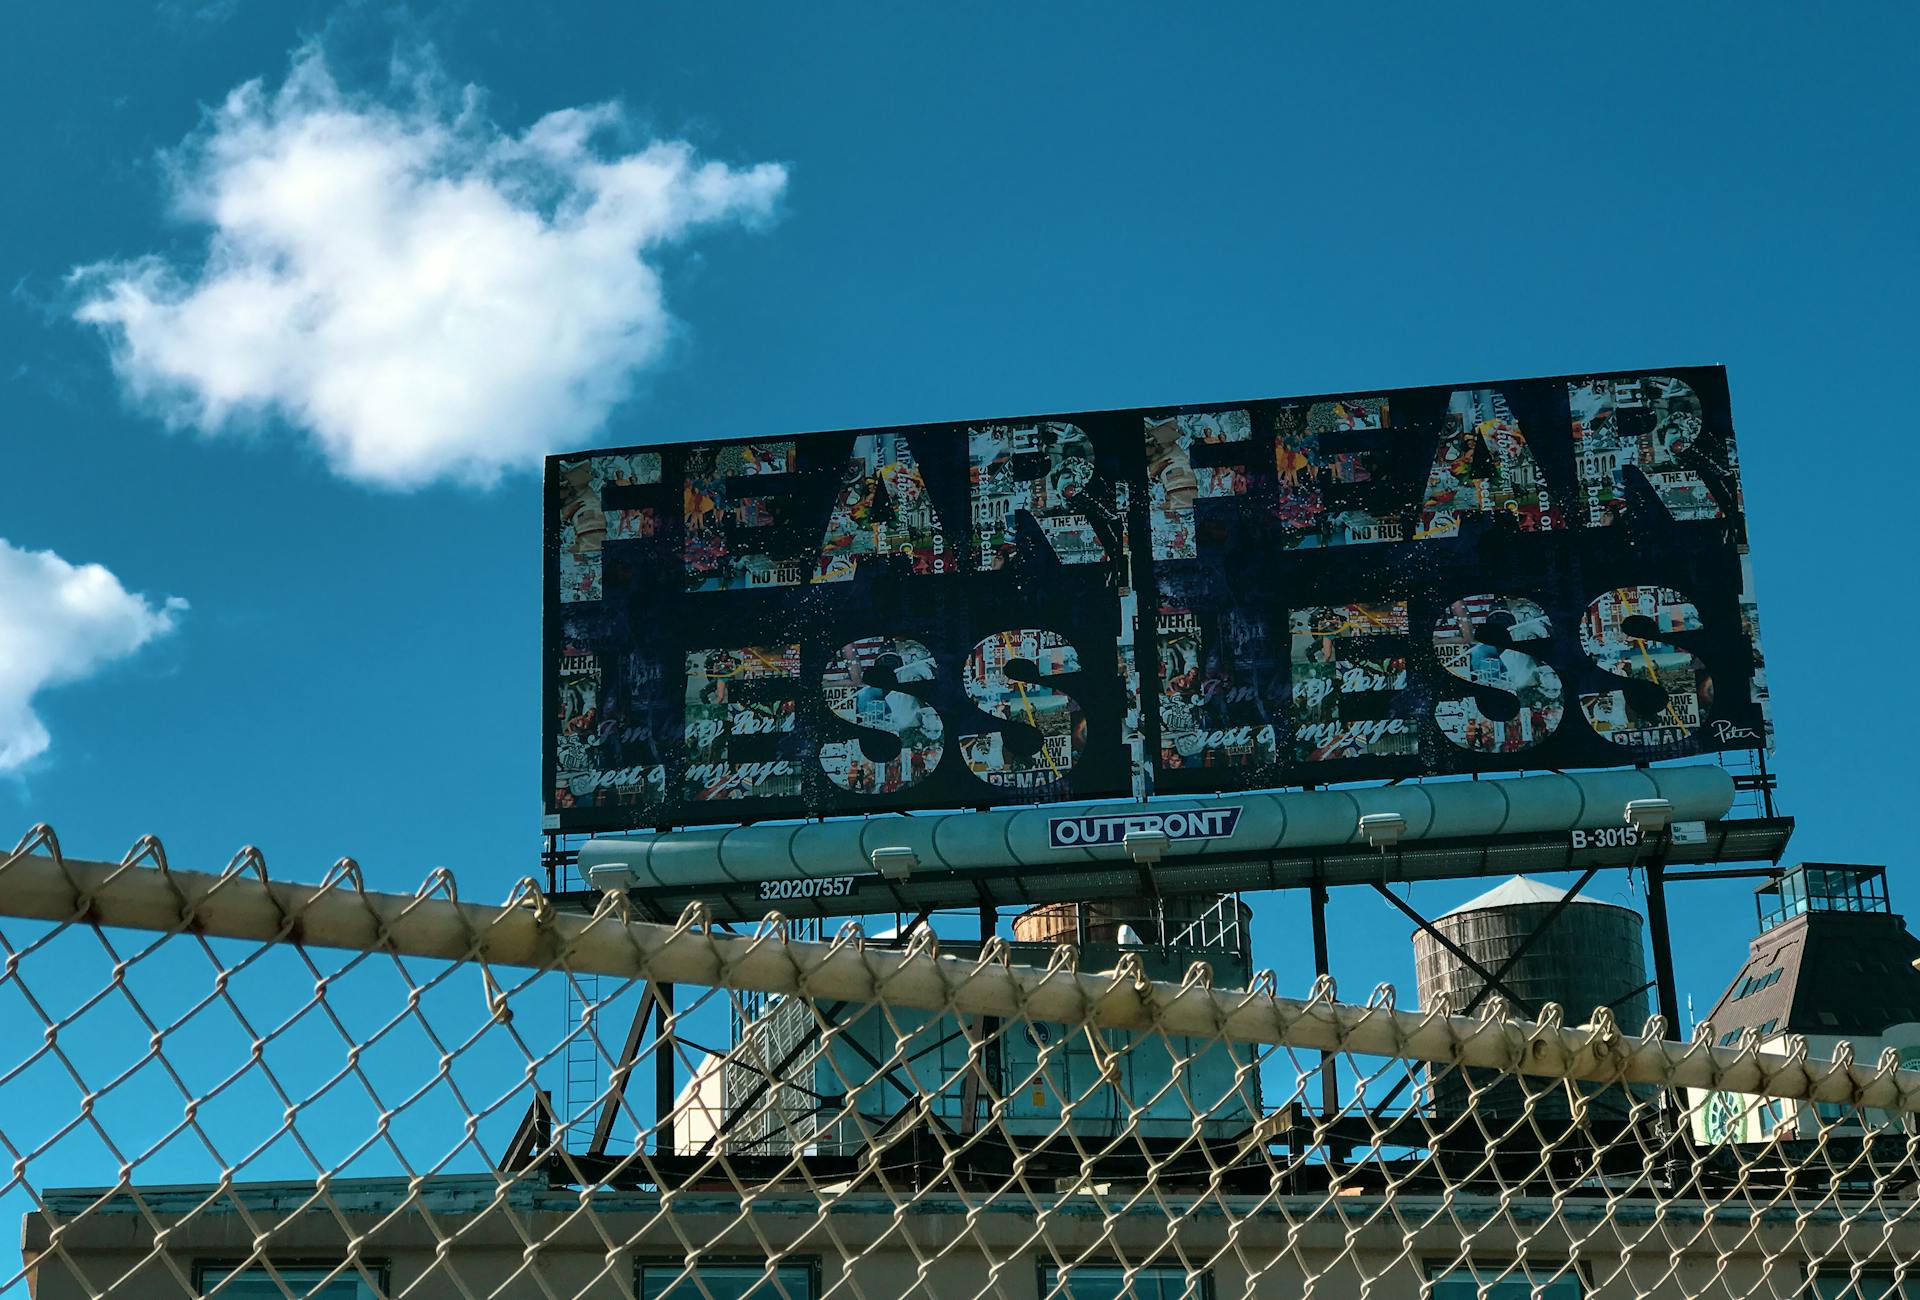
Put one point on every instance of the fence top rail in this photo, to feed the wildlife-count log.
(142, 892)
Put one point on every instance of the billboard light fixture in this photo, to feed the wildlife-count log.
(1383, 829)
(610, 877)
(895, 863)
(1649, 816)
(1146, 847)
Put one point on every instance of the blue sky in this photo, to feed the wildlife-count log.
(923, 213)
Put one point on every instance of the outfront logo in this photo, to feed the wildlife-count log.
(1112, 828)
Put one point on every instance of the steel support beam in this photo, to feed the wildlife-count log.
(534, 1135)
(1499, 976)
(1662, 947)
(1630, 993)
(1493, 981)
(1329, 1080)
(1770, 873)
(769, 1079)
(1513, 958)
(663, 1088)
(622, 1071)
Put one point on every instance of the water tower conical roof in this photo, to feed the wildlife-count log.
(1518, 891)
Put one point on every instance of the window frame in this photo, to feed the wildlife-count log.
(1435, 1268)
(1205, 1289)
(381, 1270)
(1907, 1287)
(678, 1263)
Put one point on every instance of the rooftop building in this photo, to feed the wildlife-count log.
(1831, 958)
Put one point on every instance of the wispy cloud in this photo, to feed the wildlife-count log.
(59, 623)
(424, 295)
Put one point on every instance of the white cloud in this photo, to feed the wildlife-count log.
(425, 295)
(60, 622)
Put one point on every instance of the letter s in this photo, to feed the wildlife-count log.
(861, 686)
(988, 676)
(1498, 661)
(1618, 632)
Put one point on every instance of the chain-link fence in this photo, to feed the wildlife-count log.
(230, 1085)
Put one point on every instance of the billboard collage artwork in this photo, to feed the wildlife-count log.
(1541, 573)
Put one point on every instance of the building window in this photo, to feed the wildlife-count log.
(732, 1280)
(1491, 1280)
(1110, 1282)
(1767, 1028)
(1835, 1282)
(302, 1281)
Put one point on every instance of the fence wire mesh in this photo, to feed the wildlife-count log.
(230, 1085)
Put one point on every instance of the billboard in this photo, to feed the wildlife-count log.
(1540, 573)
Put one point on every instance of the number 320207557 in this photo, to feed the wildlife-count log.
(835, 887)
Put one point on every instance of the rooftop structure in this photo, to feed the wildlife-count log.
(1831, 958)
(1516, 892)
(1821, 887)
(1539, 944)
